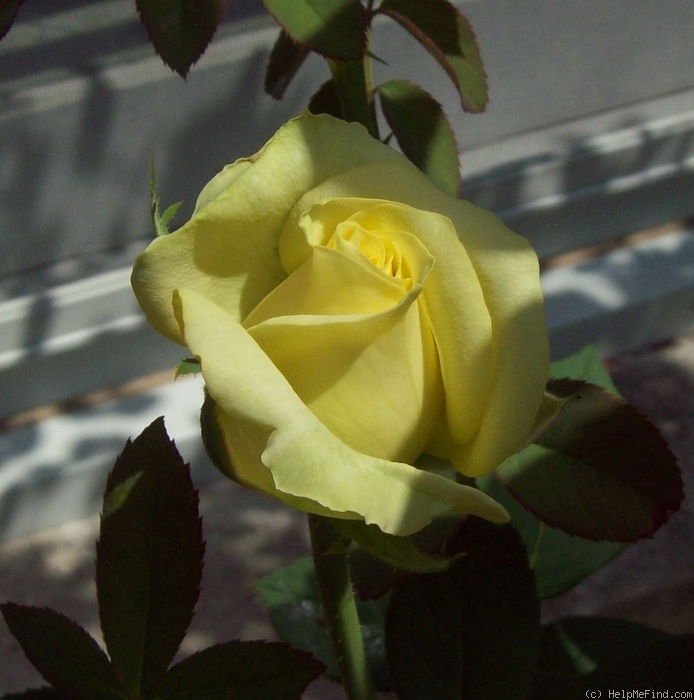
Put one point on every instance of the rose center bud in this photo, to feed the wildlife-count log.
(375, 246)
(349, 330)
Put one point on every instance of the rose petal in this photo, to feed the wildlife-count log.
(453, 297)
(306, 460)
(352, 343)
(328, 282)
(228, 249)
(228, 252)
(512, 358)
(372, 378)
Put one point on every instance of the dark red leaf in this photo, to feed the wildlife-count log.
(180, 30)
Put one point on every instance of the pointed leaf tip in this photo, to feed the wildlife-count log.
(62, 652)
(599, 469)
(447, 35)
(149, 557)
(286, 58)
(180, 30)
(8, 14)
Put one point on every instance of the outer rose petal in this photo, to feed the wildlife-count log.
(372, 376)
(228, 249)
(304, 458)
(228, 252)
(506, 267)
(452, 294)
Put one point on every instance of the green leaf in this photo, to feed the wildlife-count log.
(372, 577)
(587, 365)
(333, 28)
(292, 599)
(168, 214)
(160, 222)
(180, 30)
(590, 653)
(575, 646)
(326, 100)
(548, 411)
(423, 132)
(399, 552)
(149, 558)
(286, 58)
(471, 633)
(599, 469)
(558, 560)
(8, 14)
(190, 365)
(448, 36)
(243, 671)
(63, 653)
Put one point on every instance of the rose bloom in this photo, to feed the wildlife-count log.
(349, 317)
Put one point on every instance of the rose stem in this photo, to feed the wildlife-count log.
(340, 609)
(351, 84)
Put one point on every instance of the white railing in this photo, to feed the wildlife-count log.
(589, 137)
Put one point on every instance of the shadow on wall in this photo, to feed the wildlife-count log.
(53, 470)
(80, 112)
(588, 191)
(74, 200)
(626, 299)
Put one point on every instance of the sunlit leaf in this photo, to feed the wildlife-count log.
(63, 653)
(587, 365)
(333, 28)
(448, 36)
(149, 558)
(190, 365)
(423, 132)
(180, 30)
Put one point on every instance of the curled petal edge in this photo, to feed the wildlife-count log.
(305, 459)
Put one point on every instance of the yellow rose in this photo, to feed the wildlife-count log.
(348, 317)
